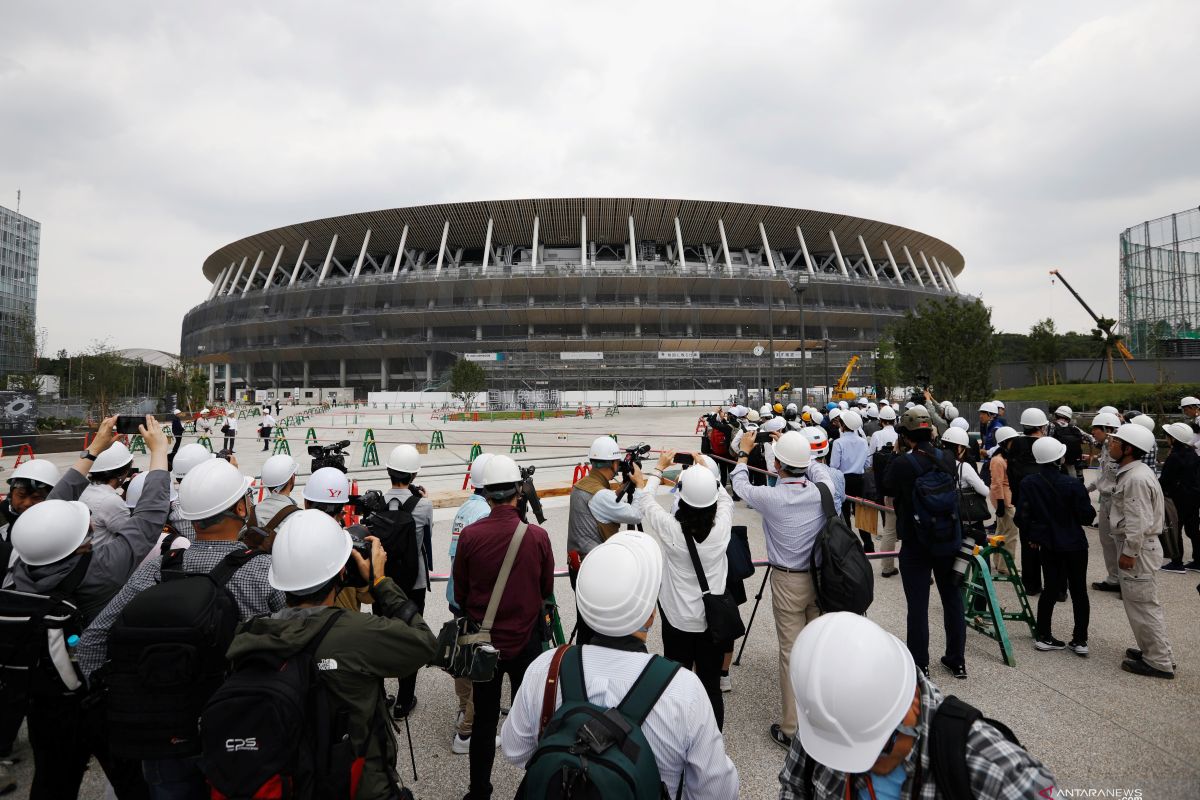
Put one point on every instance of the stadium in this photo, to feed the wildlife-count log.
(626, 296)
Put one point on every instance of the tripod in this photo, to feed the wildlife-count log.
(737, 662)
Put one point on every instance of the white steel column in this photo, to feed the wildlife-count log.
(936, 283)
(767, 246)
(892, 260)
(212, 382)
(228, 380)
(870, 261)
(253, 272)
(328, 261)
(233, 284)
(361, 255)
(632, 244)
(217, 283)
(804, 249)
(949, 275)
(913, 265)
(299, 261)
(400, 252)
(274, 266)
(725, 246)
(341, 372)
(442, 246)
(228, 278)
(383, 374)
(679, 244)
(583, 259)
(487, 245)
(838, 252)
(533, 263)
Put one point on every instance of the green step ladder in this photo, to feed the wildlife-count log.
(611, 411)
(311, 437)
(281, 442)
(436, 442)
(476, 451)
(982, 607)
(137, 444)
(206, 441)
(518, 443)
(370, 453)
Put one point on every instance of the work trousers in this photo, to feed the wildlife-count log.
(1187, 520)
(407, 687)
(794, 603)
(1008, 529)
(175, 779)
(1031, 567)
(266, 437)
(1139, 593)
(854, 488)
(697, 651)
(64, 736)
(229, 441)
(463, 688)
(1064, 570)
(174, 450)
(916, 565)
(887, 536)
(12, 714)
(487, 714)
(1108, 543)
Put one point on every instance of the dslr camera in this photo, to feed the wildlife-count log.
(330, 455)
(363, 548)
(370, 502)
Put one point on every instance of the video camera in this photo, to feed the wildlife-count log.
(330, 455)
(633, 455)
(529, 496)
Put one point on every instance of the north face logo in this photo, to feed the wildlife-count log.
(326, 664)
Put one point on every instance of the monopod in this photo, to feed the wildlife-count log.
(737, 662)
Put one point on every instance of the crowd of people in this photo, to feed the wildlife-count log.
(199, 644)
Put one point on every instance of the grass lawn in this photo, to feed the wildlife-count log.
(1145, 396)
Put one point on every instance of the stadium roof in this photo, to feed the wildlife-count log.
(155, 358)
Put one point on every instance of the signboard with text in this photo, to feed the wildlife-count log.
(483, 356)
(678, 355)
(579, 355)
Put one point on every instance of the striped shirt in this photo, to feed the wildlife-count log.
(681, 728)
(791, 515)
(849, 453)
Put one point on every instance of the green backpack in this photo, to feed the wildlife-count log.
(588, 752)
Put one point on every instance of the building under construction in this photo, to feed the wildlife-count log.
(1160, 285)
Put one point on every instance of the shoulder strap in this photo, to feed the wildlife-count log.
(551, 690)
(411, 503)
(170, 559)
(231, 563)
(948, 746)
(315, 642)
(510, 556)
(826, 500)
(696, 565)
(648, 687)
(67, 586)
(570, 675)
(280, 516)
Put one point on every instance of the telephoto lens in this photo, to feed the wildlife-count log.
(962, 558)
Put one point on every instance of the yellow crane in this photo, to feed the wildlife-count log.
(840, 392)
(1103, 333)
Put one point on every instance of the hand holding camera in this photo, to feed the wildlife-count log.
(369, 558)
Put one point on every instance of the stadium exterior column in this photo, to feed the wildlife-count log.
(632, 244)
(429, 366)
(212, 381)
(804, 248)
(304, 381)
(479, 333)
(400, 252)
(237, 277)
(487, 245)
(228, 380)
(770, 257)
(275, 375)
(679, 244)
(253, 273)
(583, 259)
(913, 266)
(274, 267)
(361, 254)
(341, 372)
(383, 374)
(725, 246)
(870, 261)
(442, 246)
(299, 261)
(949, 275)
(217, 283)
(328, 261)
(837, 251)
(936, 283)
(892, 260)
(533, 262)
(249, 376)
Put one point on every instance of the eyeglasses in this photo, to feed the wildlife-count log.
(907, 730)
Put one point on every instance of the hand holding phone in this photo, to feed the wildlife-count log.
(686, 459)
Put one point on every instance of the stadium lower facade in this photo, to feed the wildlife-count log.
(624, 294)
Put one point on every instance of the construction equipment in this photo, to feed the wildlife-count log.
(1103, 333)
(840, 392)
(786, 386)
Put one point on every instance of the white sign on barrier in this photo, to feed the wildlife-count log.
(678, 355)
(793, 354)
(482, 356)
(578, 355)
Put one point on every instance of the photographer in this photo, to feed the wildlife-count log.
(229, 430)
(265, 425)
(279, 478)
(516, 630)
(312, 560)
(328, 491)
(102, 496)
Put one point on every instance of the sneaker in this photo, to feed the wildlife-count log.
(1192, 566)
(1139, 667)
(957, 670)
(888, 573)
(1105, 586)
(726, 683)
(460, 746)
(1045, 643)
(1062, 597)
(1078, 648)
(1173, 566)
(400, 712)
(780, 738)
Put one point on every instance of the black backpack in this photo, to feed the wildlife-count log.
(935, 503)
(36, 634)
(881, 459)
(397, 533)
(1021, 464)
(841, 573)
(166, 656)
(274, 730)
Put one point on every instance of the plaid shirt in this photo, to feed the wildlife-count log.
(999, 769)
(248, 585)
(1151, 459)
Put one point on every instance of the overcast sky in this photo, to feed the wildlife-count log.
(145, 135)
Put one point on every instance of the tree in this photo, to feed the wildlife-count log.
(887, 365)
(105, 377)
(947, 343)
(189, 384)
(1044, 352)
(466, 380)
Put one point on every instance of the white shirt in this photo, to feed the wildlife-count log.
(849, 453)
(205, 424)
(108, 508)
(231, 422)
(680, 729)
(968, 478)
(267, 421)
(882, 438)
(679, 593)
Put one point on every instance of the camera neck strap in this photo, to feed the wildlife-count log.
(510, 557)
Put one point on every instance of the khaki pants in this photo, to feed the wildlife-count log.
(466, 705)
(1008, 529)
(1108, 544)
(885, 540)
(794, 603)
(1139, 592)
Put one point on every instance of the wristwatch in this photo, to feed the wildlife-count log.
(88, 455)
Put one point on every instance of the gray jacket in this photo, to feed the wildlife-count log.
(114, 560)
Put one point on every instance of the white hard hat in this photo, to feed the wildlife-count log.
(887, 413)
(500, 470)
(909, 405)
(792, 407)
(1005, 433)
(477, 467)
(1064, 411)
(618, 583)
(404, 458)
(872, 411)
(851, 419)
(834, 413)
(1189, 401)
(944, 404)
(50, 531)
(1033, 418)
(133, 492)
(765, 410)
(951, 413)
(278, 470)
(210, 488)
(605, 448)
(818, 440)
(1047, 450)
(960, 423)
(774, 424)
(38, 470)
(1145, 421)
(989, 408)
(793, 450)
(1180, 432)
(957, 436)
(697, 487)
(327, 485)
(816, 416)
(999, 404)
(843, 405)
(308, 551)
(188, 457)
(1106, 419)
(1112, 410)
(205, 410)
(116, 456)
(752, 416)
(1136, 435)
(854, 683)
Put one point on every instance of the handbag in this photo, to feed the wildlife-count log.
(972, 506)
(741, 564)
(464, 649)
(720, 611)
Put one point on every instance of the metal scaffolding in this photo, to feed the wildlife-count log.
(1160, 285)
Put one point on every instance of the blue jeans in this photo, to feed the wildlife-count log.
(175, 778)
(915, 566)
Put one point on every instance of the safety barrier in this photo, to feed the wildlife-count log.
(24, 451)
(581, 471)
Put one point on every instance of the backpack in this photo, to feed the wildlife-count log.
(166, 656)
(881, 459)
(1021, 464)
(719, 442)
(273, 730)
(841, 574)
(935, 505)
(262, 537)
(397, 533)
(36, 632)
(587, 752)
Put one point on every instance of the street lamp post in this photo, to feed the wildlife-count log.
(828, 390)
(799, 286)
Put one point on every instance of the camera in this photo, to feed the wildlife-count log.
(363, 548)
(964, 556)
(762, 437)
(529, 497)
(330, 455)
(633, 455)
(371, 501)
(224, 453)
(687, 459)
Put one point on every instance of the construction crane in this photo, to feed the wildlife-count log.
(840, 392)
(1103, 332)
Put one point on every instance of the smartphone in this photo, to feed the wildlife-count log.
(684, 458)
(762, 437)
(129, 424)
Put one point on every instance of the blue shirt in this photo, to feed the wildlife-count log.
(887, 787)
(475, 509)
(849, 454)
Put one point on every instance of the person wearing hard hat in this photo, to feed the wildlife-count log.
(1105, 424)
(1190, 406)
(29, 484)
(721, 426)
(104, 501)
(1180, 481)
(818, 467)
(204, 422)
(1001, 496)
(880, 451)
(989, 423)
(866, 722)
(1137, 519)
(871, 424)
(229, 428)
(266, 424)
(1020, 463)
(279, 479)
(792, 518)
(1001, 411)
(848, 455)
(176, 436)
(1064, 429)
(55, 551)
(699, 527)
(309, 564)
(188, 457)
(1147, 422)
(483, 547)
(618, 586)
(1054, 508)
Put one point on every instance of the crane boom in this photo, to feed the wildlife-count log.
(1071, 289)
